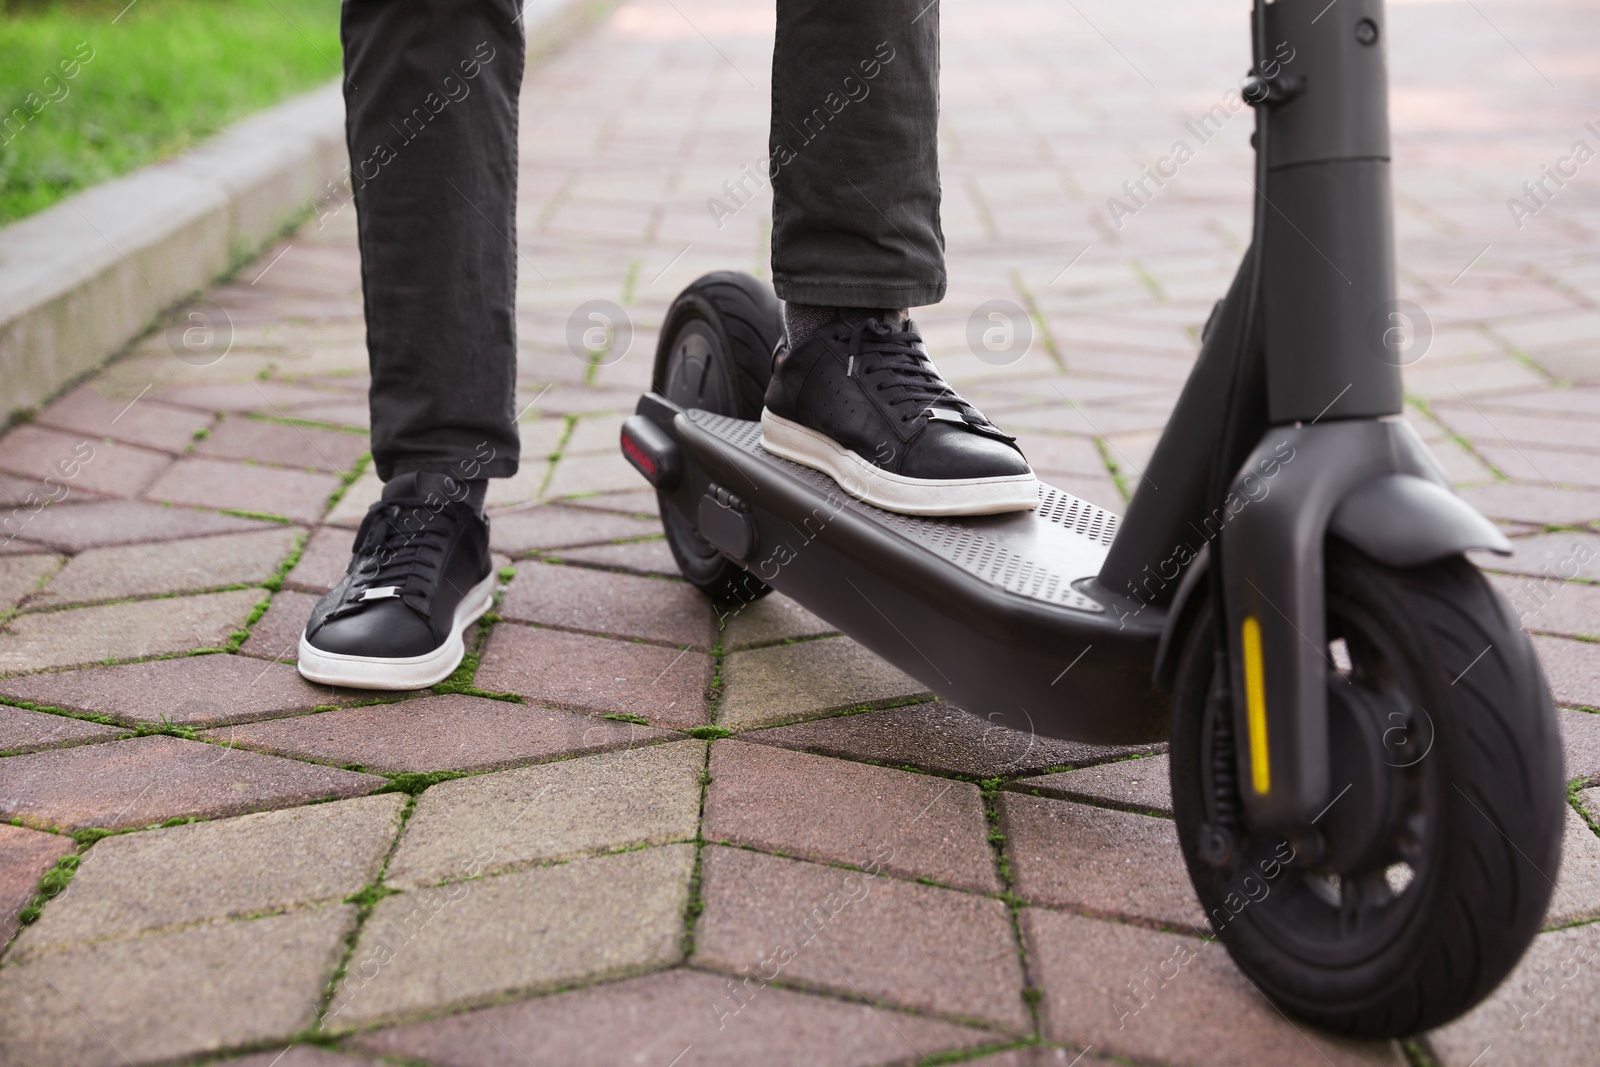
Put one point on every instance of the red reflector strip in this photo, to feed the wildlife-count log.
(638, 455)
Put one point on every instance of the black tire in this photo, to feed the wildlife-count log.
(1446, 895)
(715, 354)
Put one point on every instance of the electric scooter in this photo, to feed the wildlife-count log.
(1366, 771)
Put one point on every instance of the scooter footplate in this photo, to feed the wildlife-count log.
(1035, 554)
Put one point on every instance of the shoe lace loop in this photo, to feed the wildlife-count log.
(893, 353)
(400, 552)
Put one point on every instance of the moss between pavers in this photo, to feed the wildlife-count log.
(51, 883)
(347, 479)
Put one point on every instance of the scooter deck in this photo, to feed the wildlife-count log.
(996, 613)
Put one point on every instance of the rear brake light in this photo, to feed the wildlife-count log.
(652, 451)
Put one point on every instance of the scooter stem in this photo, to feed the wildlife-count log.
(1328, 243)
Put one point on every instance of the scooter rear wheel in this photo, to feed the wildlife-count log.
(1439, 849)
(715, 354)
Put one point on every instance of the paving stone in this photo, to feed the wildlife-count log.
(1099, 861)
(769, 686)
(1050, 454)
(585, 399)
(1579, 402)
(1577, 895)
(1206, 1015)
(1590, 801)
(358, 497)
(21, 575)
(1566, 555)
(555, 526)
(1136, 784)
(133, 420)
(1572, 668)
(24, 857)
(1546, 1012)
(836, 811)
(541, 438)
(283, 446)
(636, 557)
(145, 780)
(652, 1019)
(1524, 463)
(666, 687)
(1481, 425)
(434, 733)
(1546, 605)
(276, 635)
(16, 492)
(28, 731)
(621, 605)
(323, 561)
(938, 737)
(98, 523)
(595, 433)
(132, 884)
(170, 567)
(213, 483)
(1580, 740)
(1041, 1056)
(188, 691)
(645, 795)
(352, 413)
(244, 396)
(1543, 504)
(296, 1056)
(601, 472)
(767, 621)
(521, 488)
(517, 933)
(133, 630)
(901, 943)
(640, 503)
(238, 983)
(109, 468)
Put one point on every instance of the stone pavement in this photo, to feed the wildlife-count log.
(561, 856)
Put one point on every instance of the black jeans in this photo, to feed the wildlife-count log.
(431, 91)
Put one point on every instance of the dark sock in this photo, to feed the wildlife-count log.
(470, 491)
(800, 321)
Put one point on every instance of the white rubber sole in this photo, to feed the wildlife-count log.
(414, 672)
(895, 492)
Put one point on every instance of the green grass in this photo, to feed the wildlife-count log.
(158, 79)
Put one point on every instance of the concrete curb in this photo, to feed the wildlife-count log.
(80, 280)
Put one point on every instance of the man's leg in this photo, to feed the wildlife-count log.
(854, 154)
(431, 100)
(855, 242)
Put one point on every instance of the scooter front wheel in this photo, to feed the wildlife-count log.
(1430, 871)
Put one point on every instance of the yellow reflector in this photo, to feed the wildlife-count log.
(1255, 700)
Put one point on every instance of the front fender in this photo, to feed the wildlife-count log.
(1407, 521)
(1373, 483)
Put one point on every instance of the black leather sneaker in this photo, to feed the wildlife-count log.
(861, 401)
(419, 575)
